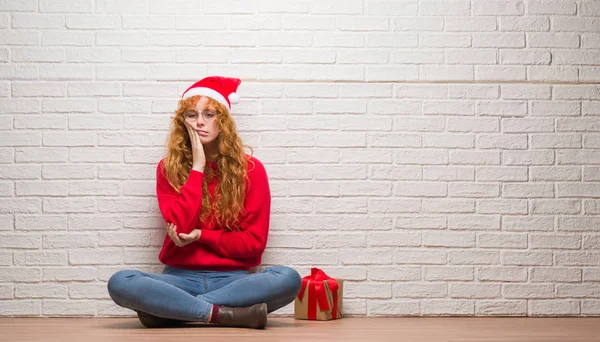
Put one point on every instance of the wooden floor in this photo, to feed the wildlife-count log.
(466, 329)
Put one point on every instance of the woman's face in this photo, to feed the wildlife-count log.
(202, 120)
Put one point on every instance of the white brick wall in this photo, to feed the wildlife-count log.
(440, 156)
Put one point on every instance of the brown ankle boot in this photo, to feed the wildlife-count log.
(150, 321)
(254, 316)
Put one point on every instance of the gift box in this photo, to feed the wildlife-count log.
(320, 298)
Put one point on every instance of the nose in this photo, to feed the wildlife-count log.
(200, 121)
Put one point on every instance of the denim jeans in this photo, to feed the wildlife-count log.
(188, 295)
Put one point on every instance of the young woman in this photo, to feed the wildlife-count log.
(216, 202)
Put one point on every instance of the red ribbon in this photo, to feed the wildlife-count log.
(316, 292)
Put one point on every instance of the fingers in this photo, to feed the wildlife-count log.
(191, 134)
(194, 137)
(172, 231)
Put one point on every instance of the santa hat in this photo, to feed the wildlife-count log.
(221, 89)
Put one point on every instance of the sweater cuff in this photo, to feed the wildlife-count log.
(196, 176)
(210, 237)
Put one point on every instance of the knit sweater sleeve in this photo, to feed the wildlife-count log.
(182, 208)
(250, 241)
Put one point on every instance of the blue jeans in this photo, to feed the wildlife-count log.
(188, 295)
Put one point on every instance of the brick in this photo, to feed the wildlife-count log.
(551, 7)
(444, 40)
(507, 206)
(457, 273)
(502, 7)
(555, 274)
(386, 73)
(388, 40)
(309, 56)
(509, 173)
(575, 57)
(527, 125)
(449, 206)
(384, 7)
(365, 156)
(417, 56)
(574, 224)
(500, 73)
(469, 24)
(575, 24)
(502, 273)
(344, 39)
(449, 239)
(19, 6)
(69, 6)
(478, 56)
(467, 290)
(476, 190)
(346, 23)
(23, 308)
(509, 56)
(44, 258)
(475, 157)
(527, 24)
(448, 307)
(552, 73)
(357, 124)
(555, 108)
(474, 222)
(394, 172)
(589, 8)
(448, 107)
(366, 56)
(93, 22)
(501, 307)
(473, 125)
(413, 256)
(122, 38)
(341, 72)
(37, 21)
(367, 290)
(555, 173)
(341, 205)
(555, 40)
(498, 40)
(418, 24)
(517, 190)
(69, 308)
(114, 6)
(554, 307)
(419, 91)
(526, 258)
(337, 7)
(284, 39)
(397, 239)
(577, 258)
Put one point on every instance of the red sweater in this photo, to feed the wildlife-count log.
(217, 249)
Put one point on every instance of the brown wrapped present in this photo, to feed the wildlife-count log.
(320, 298)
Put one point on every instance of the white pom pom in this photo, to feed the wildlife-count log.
(234, 98)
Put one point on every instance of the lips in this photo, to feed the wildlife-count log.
(202, 132)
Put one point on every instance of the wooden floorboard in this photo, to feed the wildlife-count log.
(447, 329)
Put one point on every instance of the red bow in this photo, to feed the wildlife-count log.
(316, 292)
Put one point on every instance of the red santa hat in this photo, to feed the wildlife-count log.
(221, 89)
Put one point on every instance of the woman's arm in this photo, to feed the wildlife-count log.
(183, 208)
(251, 240)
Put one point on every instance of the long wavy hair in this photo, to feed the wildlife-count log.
(232, 165)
